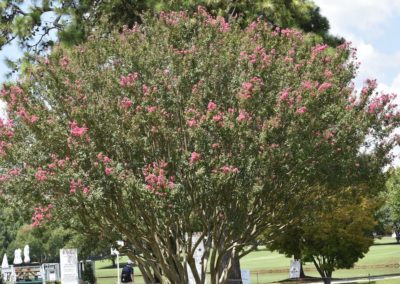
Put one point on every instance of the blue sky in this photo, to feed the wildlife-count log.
(373, 28)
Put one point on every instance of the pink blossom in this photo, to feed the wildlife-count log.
(229, 169)
(194, 157)
(40, 214)
(72, 186)
(64, 61)
(61, 163)
(76, 130)
(126, 103)
(319, 48)
(301, 110)
(328, 73)
(86, 190)
(324, 86)
(146, 89)
(247, 86)
(34, 118)
(284, 95)
(14, 172)
(4, 178)
(215, 145)
(41, 175)
(218, 117)
(128, 80)
(108, 171)
(192, 122)
(243, 116)
(100, 156)
(211, 106)
(373, 106)
(151, 109)
(106, 160)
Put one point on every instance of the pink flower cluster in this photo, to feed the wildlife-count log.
(41, 214)
(318, 49)
(324, 86)
(41, 175)
(209, 20)
(257, 55)
(369, 85)
(24, 114)
(243, 116)
(64, 61)
(76, 130)
(126, 103)
(128, 80)
(156, 179)
(227, 169)
(194, 157)
(105, 160)
(74, 185)
(3, 147)
(301, 110)
(173, 18)
(379, 103)
(248, 88)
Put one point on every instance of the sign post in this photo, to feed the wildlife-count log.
(69, 266)
(116, 252)
(294, 271)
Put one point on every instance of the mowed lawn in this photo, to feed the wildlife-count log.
(266, 267)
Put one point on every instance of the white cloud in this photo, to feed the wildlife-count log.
(375, 64)
(363, 22)
(370, 16)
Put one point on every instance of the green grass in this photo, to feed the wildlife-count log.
(266, 267)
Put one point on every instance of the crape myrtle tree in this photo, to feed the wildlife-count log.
(188, 124)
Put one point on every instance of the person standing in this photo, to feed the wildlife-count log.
(127, 273)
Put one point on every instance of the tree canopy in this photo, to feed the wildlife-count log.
(31, 23)
(189, 123)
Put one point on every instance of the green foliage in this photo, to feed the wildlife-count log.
(10, 222)
(88, 273)
(338, 237)
(75, 20)
(140, 134)
(44, 242)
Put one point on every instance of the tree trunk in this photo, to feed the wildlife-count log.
(234, 275)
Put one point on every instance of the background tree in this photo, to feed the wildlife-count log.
(10, 222)
(339, 236)
(391, 209)
(187, 120)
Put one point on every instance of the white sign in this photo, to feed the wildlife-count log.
(245, 274)
(52, 276)
(294, 271)
(69, 266)
(197, 255)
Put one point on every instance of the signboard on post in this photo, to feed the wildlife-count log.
(245, 274)
(294, 271)
(69, 266)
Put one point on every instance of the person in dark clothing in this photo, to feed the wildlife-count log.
(127, 273)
